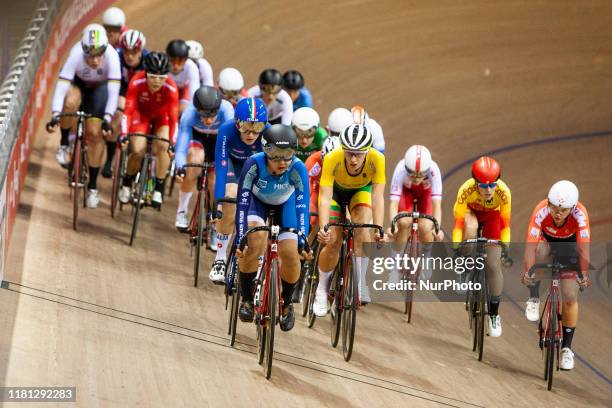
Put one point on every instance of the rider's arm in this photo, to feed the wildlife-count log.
(221, 159)
(287, 107)
(113, 84)
(459, 211)
(131, 98)
(378, 188)
(299, 179)
(397, 185)
(245, 186)
(173, 113)
(65, 79)
(583, 237)
(436, 192)
(325, 197)
(206, 72)
(184, 136)
(533, 234)
(378, 141)
(194, 78)
(505, 209)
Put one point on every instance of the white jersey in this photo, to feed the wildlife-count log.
(76, 67)
(206, 72)
(188, 77)
(402, 180)
(281, 107)
(378, 139)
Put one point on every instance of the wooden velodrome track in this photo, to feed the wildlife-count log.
(127, 328)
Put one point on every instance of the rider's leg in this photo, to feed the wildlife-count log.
(188, 186)
(112, 143)
(71, 105)
(95, 150)
(247, 267)
(362, 214)
(225, 226)
(569, 294)
(138, 147)
(160, 150)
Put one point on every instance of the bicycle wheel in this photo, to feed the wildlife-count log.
(117, 179)
(305, 298)
(349, 320)
(336, 307)
(142, 183)
(235, 303)
(84, 175)
(413, 252)
(76, 178)
(552, 345)
(271, 323)
(481, 320)
(198, 238)
(313, 284)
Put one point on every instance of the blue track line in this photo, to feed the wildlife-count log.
(517, 146)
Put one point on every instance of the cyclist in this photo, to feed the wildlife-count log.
(305, 122)
(416, 176)
(559, 228)
(274, 179)
(361, 116)
(113, 21)
(196, 53)
(314, 165)
(131, 55)
(353, 176)
(293, 84)
(337, 120)
(151, 100)
(195, 143)
(237, 140)
(231, 85)
(485, 200)
(183, 71)
(89, 81)
(278, 102)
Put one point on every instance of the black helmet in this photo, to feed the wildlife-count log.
(270, 76)
(177, 49)
(292, 79)
(207, 98)
(278, 137)
(156, 63)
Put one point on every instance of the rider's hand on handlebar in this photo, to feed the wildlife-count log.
(307, 255)
(323, 236)
(506, 261)
(52, 124)
(439, 237)
(585, 282)
(379, 238)
(242, 253)
(526, 279)
(180, 175)
(107, 129)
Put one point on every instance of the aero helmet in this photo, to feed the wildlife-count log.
(251, 110)
(156, 63)
(485, 170)
(338, 119)
(417, 159)
(293, 80)
(356, 137)
(196, 51)
(132, 40)
(94, 40)
(113, 17)
(563, 194)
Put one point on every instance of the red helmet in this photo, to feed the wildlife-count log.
(485, 170)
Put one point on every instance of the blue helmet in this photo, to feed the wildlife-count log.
(251, 110)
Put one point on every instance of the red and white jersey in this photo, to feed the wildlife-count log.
(189, 77)
(401, 180)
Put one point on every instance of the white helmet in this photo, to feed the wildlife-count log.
(196, 51)
(359, 114)
(230, 79)
(417, 159)
(94, 39)
(563, 194)
(338, 119)
(305, 119)
(114, 17)
(356, 137)
(331, 143)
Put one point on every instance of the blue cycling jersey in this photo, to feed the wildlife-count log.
(303, 100)
(229, 147)
(257, 184)
(192, 121)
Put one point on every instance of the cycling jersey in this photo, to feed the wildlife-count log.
(206, 72)
(335, 172)
(316, 145)
(378, 139)
(187, 81)
(76, 68)
(468, 198)
(280, 109)
(191, 124)
(231, 152)
(143, 107)
(314, 165)
(304, 100)
(401, 181)
(128, 72)
(575, 229)
(258, 190)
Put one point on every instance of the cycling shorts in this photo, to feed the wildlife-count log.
(234, 169)
(93, 98)
(350, 198)
(285, 215)
(566, 253)
(491, 223)
(204, 141)
(142, 123)
(423, 197)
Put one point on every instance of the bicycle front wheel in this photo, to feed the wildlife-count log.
(336, 308)
(198, 238)
(142, 183)
(413, 251)
(235, 302)
(481, 320)
(350, 309)
(271, 323)
(117, 179)
(552, 345)
(76, 178)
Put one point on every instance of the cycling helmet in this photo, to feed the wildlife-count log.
(156, 63)
(305, 119)
(177, 49)
(270, 76)
(330, 144)
(485, 170)
(338, 119)
(230, 79)
(113, 17)
(356, 137)
(292, 79)
(563, 194)
(251, 110)
(196, 51)
(94, 40)
(417, 159)
(132, 40)
(359, 114)
(278, 137)
(207, 98)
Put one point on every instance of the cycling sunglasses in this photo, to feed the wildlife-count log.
(277, 154)
(415, 174)
(157, 77)
(229, 94)
(270, 89)
(253, 127)
(487, 185)
(306, 134)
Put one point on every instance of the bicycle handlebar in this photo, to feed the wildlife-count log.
(79, 114)
(243, 240)
(205, 165)
(503, 246)
(350, 225)
(556, 267)
(414, 215)
(150, 138)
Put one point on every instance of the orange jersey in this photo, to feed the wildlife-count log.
(314, 165)
(575, 229)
